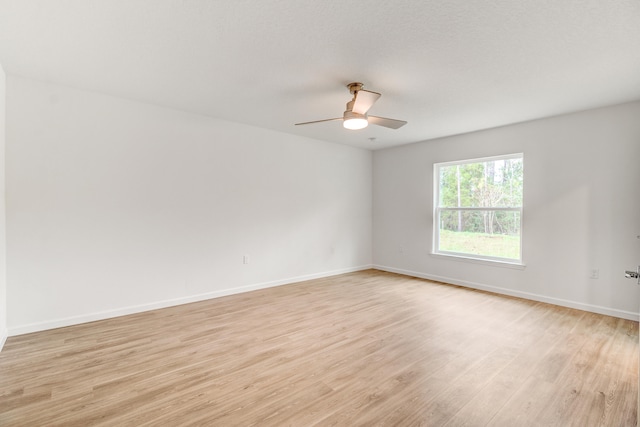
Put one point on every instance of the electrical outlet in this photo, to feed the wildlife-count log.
(594, 273)
(245, 259)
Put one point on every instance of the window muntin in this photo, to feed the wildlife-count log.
(478, 208)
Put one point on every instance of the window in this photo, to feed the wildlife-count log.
(478, 208)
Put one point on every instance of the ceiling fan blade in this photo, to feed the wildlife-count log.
(318, 121)
(364, 100)
(388, 123)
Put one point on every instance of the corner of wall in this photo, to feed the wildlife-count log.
(3, 276)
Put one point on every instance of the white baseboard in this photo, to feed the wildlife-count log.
(92, 317)
(3, 338)
(526, 295)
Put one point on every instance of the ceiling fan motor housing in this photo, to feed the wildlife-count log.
(348, 115)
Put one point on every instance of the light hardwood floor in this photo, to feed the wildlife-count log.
(367, 348)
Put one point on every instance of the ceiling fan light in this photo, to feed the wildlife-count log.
(355, 124)
(354, 121)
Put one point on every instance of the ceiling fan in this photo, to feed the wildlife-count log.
(355, 116)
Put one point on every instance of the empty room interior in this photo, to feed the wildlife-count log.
(296, 213)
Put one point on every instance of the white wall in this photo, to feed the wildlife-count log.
(115, 206)
(3, 269)
(581, 209)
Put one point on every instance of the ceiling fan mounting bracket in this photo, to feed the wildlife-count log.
(354, 87)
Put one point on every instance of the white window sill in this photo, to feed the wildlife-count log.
(493, 263)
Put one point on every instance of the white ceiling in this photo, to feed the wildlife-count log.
(445, 66)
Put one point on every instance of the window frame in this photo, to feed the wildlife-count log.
(437, 210)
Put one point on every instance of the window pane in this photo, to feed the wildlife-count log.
(487, 233)
(492, 183)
